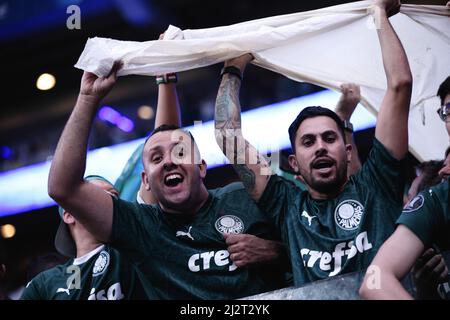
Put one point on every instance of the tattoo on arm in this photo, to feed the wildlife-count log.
(228, 133)
(247, 176)
(228, 108)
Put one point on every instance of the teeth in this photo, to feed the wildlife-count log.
(173, 176)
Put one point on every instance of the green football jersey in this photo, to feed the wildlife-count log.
(330, 237)
(428, 216)
(102, 274)
(185, 256)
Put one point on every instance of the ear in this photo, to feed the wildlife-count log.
(68, 218)
(293, 162)
(144, 180)
(203, 166)
(348, 150)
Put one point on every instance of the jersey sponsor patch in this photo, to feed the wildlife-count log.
(333, 262)
(348, 214)
(206, 260)
(101, 264)
(114, 292)
(229, 224)
(415, 204)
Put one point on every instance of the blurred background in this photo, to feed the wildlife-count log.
(40, 86)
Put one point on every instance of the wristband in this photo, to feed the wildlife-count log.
(233, 70)
(348, 125)
(167, 78)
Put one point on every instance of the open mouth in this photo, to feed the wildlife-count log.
(323, 163)
(173, 179)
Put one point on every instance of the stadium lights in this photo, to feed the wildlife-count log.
(146, 112)
(7, 231)
(46, 81)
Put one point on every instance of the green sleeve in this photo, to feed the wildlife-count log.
(32, 290)
(383, 173)
(276, 198)
(134, 225)
(424, 214)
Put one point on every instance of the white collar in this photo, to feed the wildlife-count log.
(87, 256)
(139, 199)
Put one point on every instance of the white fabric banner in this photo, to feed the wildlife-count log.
(327, 47)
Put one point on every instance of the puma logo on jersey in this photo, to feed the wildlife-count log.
(305, 214)
(332, 262)
(185, 234)
(63, 290)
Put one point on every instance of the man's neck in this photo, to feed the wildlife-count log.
(84, 241)
(317, 195)
(86, 247)
(193, 207)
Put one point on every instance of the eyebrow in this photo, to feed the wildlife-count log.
(328, 132)
(154, 149)
(159, 147)
(307, 136)
(312, 135)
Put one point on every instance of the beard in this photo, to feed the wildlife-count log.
(329, 184)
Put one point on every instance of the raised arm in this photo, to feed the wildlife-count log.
(392, 122)
(390, 265)
(167, 112)
(168, 108)
(88, 203)
(347, 103)
(252, 168)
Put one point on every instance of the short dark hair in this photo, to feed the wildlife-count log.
(444, 90)
(447, 152)
(311, 112)
(171, 127)
(168, 127)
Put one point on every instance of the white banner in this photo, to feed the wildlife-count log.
(328, 47)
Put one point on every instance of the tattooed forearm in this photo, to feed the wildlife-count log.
(252, 168)
(228, 109)
(246, 175)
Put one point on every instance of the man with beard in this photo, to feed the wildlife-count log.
(340, 222)
(181, 245)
